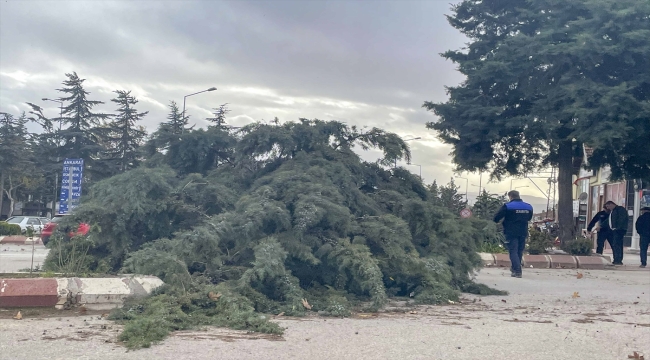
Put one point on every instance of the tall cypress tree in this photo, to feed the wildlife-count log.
(84, 134)
(124, 135)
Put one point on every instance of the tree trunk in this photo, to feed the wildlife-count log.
(565, 189)
(11, 194)
(2, 191)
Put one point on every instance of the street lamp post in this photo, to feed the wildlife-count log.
(186, 96)
(56, 173)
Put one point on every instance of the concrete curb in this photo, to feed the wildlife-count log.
(549, 261)
(64, 293)
(487, 259)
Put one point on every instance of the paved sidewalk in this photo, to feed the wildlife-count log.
(18, 257)
(541, 319)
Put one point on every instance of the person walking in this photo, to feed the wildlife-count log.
(617, 221)
(604, 232)
(643, 229)
(515, 215)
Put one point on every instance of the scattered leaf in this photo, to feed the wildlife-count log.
(413, 312)
(451, 302)
(580, 276)
(503, 301)
(213, 296)
(18, 316)
(636, 302)
(575, 295)
(306, 304)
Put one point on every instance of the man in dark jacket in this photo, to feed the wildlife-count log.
(516, 214)
(618, 220)
(643, 229)
(604, 232)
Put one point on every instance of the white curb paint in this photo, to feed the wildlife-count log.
(103, 293)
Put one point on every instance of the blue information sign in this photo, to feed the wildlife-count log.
(71, 185)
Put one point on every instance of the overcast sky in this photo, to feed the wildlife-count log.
(367, 63)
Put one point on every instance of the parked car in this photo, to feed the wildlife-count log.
(27, 221)
(50, 227)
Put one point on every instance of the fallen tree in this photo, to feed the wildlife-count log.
(290, 220)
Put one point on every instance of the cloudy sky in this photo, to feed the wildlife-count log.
(362, 62)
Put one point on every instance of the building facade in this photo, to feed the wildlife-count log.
(592, 189)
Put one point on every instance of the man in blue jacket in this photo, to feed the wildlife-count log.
(515, 214)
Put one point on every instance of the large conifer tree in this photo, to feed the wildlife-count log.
(84, 132)
(544, 77)
(124, 135)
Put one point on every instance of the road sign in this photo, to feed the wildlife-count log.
(465, 213)
(71, 185)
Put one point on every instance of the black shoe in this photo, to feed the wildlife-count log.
(617, 263)
(514, 275)
(642, 265)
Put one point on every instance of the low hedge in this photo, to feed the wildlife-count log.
(580, 247)
(9, 229)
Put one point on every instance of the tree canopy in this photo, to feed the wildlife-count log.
(280, 213)
(543, 78)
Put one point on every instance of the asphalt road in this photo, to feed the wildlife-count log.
(550, 314)
(14, 258)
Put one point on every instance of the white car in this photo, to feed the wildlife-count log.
(24, 222)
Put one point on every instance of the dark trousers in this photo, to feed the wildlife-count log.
(516, 245)
(617, 247)
(600, 241)
(643, 244)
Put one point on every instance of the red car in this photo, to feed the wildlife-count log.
(49, 228)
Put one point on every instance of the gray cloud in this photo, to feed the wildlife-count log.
(365, 63)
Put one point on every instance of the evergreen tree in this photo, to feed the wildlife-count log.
(46, 152)
(219, 119)
(84, 134)
(544, 77)
(123, 133)
(434, 193)
(297, 215)
(15, 157)
(169, 132)
(451, 199)
(487, 205)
